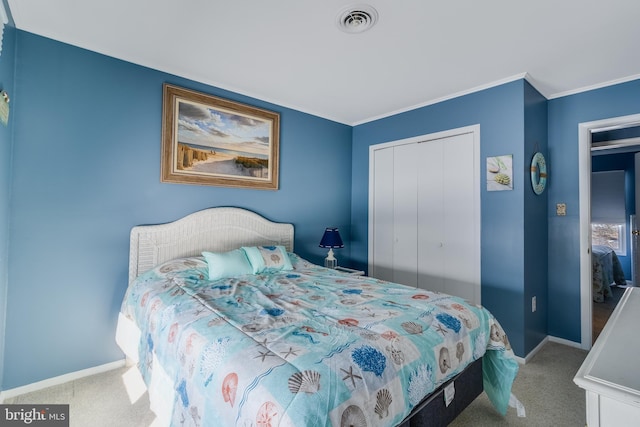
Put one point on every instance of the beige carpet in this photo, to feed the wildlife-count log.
(544, 385)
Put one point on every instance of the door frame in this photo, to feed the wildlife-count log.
(475, 240)
(584, 195)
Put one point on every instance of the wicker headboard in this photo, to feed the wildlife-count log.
(214, 229)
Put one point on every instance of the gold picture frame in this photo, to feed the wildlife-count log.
(208, 140)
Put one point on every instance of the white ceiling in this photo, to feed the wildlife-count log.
(290, 52)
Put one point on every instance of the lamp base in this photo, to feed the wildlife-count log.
(330, 262)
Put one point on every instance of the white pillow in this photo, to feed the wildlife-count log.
(268, 258)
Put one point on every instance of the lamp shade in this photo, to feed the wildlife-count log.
(331, 239)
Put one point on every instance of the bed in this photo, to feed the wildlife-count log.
(606, 271)
(291, 343)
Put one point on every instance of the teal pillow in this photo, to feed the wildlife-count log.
(227, 264)
(268, 258)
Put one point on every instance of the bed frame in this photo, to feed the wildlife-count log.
(214, 230)
(226, 228)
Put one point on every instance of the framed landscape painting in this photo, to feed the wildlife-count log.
(208, 140)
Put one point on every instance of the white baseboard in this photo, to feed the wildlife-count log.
(7, 394)
(548, 338)
(565, 342)
(533, 352)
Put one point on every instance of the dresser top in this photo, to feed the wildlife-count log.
(611, 367)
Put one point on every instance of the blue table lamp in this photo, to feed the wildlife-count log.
(331, 239)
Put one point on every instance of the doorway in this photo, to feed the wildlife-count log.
(612, 187)
(585, 132)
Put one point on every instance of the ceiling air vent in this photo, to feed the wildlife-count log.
(357, 19)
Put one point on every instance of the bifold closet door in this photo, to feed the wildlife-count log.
(430, 226)
(382, 224)
(447, 218)
(395, 214)
(406, 163)
(424, 223)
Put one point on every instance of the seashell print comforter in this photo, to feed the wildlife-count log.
(306, 347)
(606, 271)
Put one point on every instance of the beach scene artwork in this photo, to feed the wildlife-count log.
(214, 141)
(500, 173)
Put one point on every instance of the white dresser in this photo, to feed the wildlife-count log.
(610, 374)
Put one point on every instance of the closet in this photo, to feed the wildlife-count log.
(424, 212)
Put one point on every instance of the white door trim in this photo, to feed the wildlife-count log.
(584, 194)
(475, 240)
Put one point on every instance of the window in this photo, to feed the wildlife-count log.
(612, 235)
(608, 211)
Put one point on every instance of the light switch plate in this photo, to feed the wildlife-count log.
(561, 209)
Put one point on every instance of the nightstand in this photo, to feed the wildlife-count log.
(350, 271)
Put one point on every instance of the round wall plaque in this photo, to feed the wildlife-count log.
(538, 173)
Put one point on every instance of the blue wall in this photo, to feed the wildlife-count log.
(500, 111)
(564, 231)
(87, 132)
(535, 222)
(7, 64)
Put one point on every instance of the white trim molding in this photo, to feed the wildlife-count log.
(72, 376)
(4, 21)
(584, 193)
(446, 98)
(8, 394)
(548, 338)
